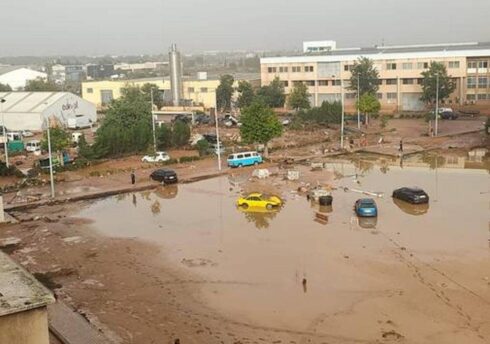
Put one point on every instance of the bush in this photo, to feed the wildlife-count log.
(327, 113)
(9, 171)
(181, 134)
(384, 121)
(203, 147)
(164, 137)
(188, 159)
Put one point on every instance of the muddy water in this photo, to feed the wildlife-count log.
(424, 269)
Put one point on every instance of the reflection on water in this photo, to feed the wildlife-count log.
(411, 209)
(367, 222)
(167, 191)
(259, 216)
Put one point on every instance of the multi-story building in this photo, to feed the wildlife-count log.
(399, 68)
(71, 73)
(99, 71)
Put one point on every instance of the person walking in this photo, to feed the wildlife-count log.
(401, 146)
(133, 177)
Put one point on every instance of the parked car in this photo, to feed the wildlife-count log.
(182, 118)
(27, 133)
(258, 200)
(211, 138)
(213, 148)
(33, 146)
(164, 176)
(448, 115)
(366, 207)
(244, 159)
(202, 119)
(411, 195)
(157, 157)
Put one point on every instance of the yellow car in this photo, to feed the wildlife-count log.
(258, 200)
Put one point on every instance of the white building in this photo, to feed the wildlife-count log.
(28, 110)
(17, 77)
(319, 46)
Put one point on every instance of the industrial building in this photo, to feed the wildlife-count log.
(324, 68)
(29, 110)
(70, 73)
(18, 77)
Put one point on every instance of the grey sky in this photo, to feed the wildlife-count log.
(96, 27)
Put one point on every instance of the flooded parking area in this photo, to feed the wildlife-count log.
(413, 273)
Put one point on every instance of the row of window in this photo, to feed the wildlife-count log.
(201, 90)
(294, 69)
(482, 96)
(477, 64)
(404, 81)
(480, 82)
(389, 95)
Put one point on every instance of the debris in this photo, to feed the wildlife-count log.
(261, 173)
(321, 218)
(293, 175)
(316, 166)
(369, 193)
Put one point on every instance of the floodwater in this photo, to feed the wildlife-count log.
(419, 272)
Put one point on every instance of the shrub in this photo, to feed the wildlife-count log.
(203, 147)
(9, 171)
(189, 159)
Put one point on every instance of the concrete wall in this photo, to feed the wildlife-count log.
(29, 327)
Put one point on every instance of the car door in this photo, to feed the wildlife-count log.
(253, 201)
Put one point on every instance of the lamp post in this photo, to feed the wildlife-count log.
(153, 122)
(437, 104)
(343, 113)
(358, 100)
(51, 177)
(4, 129)
(218, 143)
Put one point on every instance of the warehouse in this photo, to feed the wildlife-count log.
(18, 77)
(28, 110)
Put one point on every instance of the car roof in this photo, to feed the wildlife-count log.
(367, 201)
(163, 170)
(254, 194)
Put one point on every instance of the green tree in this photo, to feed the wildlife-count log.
(368, 104)
(224, 92)
(429, 83)
(41, 85)
(203, 147)
(246, 94)
(259, 125)
(5, 88)
(164, 137)
(299, 97)
(84, 150)
(272, 95)
(368, 77)
(126, 127)
(60, 140)
(148, 89)
(181, 134)
(327, 113)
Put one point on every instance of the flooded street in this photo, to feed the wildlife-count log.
(416, 273)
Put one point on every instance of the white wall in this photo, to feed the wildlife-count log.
(69, 106)
(17, 79)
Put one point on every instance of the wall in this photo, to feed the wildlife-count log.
(29, 327)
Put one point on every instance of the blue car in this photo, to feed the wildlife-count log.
(366, 207)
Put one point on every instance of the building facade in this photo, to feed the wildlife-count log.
(399, 69)
(70, 73)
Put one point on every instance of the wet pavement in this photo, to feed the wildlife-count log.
(415, 272)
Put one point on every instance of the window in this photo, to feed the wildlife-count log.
(204, 90)
(422, 65)
(472, 65)
(471, 82)
(482, 96)
(380, 81)
(90, 90)
(272, 69)
(322, 82)
(335, 82)
(310, 82)
(247, 155)
(420, 81)
(296, 69)
(407, 65)
(391, 95)
(348, 68)
(390, 81)
(283, 69)
(285, 83)
(391, 66)
(470, 97)
(453, 64)
(106, 96)
(379, 96)
(482, 64)
(482, 82)
(407, 81)
(350, 96)
(308, 69)
(190, 90)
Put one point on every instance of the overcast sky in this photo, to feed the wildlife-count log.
(96, 27)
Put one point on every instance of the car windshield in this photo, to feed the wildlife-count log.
(367, 203)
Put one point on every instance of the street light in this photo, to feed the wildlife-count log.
(218, 143)
(437, 104)
(4, 129)
(343, 113)
(51, 178)
(153, 122)
(358, 100)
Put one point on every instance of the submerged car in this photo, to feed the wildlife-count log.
(164, 176)
(258, 200)
(366, 207)
(412, 209)
(157, 157)
(411, 195)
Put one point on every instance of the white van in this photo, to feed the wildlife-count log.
(33, 146)
(79, 122)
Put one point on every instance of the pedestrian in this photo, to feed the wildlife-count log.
(133, 177)
(401, 146)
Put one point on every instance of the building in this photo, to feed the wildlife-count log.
(29, 110)
(140, 67)
(399, 68)
(319, 46)
(23, 301)
(18, 77)
(99, 71)
(72, 73)
(196, 91)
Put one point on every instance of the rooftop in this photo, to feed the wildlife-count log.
(24, 102)
(19, 290)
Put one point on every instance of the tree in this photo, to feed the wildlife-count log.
(246, 94)
(84, 150)
(181, 134)
(5, 88)
(224, 92)
(41, 85)
(203, 147)
(429, 83)
(259, 125)
(368, 104)
(148, 89)
(272, 95)
(327, 113)
(368, 77)
(164, 137)
(126, 127)
(59, 138)
(299, 97)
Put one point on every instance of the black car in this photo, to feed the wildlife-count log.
(448, 115)
(164, 176)
(211, 138)
(411, 195)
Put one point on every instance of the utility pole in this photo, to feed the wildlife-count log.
(153, 122)
(343, 112)
(218, 143)
(50, 161)
(4, 129)
(358, 100)
(437, 104)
